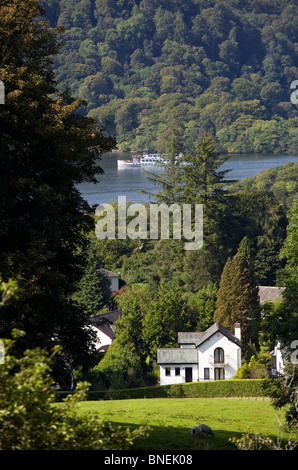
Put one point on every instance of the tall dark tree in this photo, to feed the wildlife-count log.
(203, 179)
(168, 180)
(46, 149)
(237, 299)
(93, 291)
(203, 183)
(288, 278)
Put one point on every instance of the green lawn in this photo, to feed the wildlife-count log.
(171, 419)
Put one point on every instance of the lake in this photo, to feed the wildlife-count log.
(127, 181)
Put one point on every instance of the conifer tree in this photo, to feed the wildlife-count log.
(237, 299)
(93, 291)
(203, 183)
(168, 180)
(203, 180)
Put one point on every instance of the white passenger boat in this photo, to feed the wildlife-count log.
(147, 159)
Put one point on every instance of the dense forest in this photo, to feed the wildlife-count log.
(224, 67)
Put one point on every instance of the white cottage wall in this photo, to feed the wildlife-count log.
(101, 338)
(206, 356)
(177, 379)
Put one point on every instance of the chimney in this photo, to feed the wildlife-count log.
(237, 331)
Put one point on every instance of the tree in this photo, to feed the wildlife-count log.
(119, 368)
(169, 179)
(237, 299)
(204, 304)
(129, 327)
(93, 291)
(47, 148)
(166, 315)
(203, 183)
(280, 324)
(288, 278)
(30, 415)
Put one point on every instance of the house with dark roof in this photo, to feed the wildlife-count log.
(269, 293)
(273, 294)
(113, 278)
(214, 354)
(104, 327)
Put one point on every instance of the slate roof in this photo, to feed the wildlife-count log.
(105, 322)
(108, 273)
(177, 356)
(189, 337)
(213, 329)
(270, 293)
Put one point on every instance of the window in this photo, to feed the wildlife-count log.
(206, 373)
(168, 371)
(219, 357)
(177, 370)
(274, 362)
(219, 373)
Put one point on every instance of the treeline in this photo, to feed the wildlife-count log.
(219, 67)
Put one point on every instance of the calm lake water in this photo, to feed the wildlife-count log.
(127, 181)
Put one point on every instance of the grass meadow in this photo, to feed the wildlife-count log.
(171, 419)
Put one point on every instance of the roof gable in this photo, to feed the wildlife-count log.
(212, 330)
(105, 322)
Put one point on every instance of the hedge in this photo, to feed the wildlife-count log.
(216, 388)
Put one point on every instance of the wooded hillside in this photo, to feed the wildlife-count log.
(224, 67)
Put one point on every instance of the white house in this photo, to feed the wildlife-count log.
(273, 294)
(104, 327)
(211, 355)
(113, 277)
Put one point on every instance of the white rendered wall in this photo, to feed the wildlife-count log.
(114, 283)
(177, 379)
(101, 338)
(231, 353)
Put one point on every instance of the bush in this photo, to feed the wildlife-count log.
(216, 388)
(29, 421)
(118, 369)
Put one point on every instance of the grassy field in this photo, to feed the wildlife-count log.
(171, 419)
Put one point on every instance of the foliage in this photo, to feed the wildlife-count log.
(256, 368)
(259, 217)
(119, 368)
(222, 67)
(288, 278)
(283, 392)
(203, 304)
(255, 442)
(166, 315)
(237, 298)
(129, 327)
(30, 420)
(281, 180)
(169, 181)
(214, 388)
(47, 148)
(93, 291)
